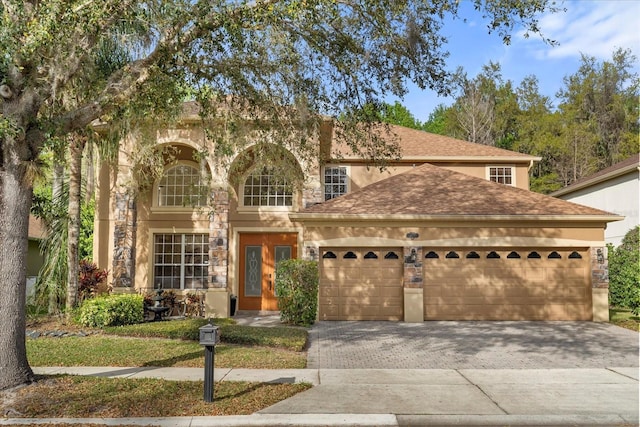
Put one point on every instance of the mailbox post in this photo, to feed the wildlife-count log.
(208, 338)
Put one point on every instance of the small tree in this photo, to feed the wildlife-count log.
(297, 289)
(624, 272)
(90, 277)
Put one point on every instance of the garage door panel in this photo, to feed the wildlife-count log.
(507, 288)
(564, 273)
(392, 291)
(361, 288)
(326, 291)
(330, 309)
(505, 272)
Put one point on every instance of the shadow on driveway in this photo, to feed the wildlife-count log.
(471, 345)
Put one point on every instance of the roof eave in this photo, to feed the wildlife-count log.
(465, 159)
(313, 216)
(596, 180)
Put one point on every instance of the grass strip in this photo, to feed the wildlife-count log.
(286, 337)
(624, 318)
(80, 397)
(101, 350)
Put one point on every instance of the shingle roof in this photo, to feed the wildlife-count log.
(625, 166)
(431, 190)
(419, 144)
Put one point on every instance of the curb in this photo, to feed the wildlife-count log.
(344, 420)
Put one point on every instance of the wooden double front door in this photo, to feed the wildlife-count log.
(259, 254)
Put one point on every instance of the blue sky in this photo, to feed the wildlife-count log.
(593, 27)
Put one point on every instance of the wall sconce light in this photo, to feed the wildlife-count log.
(412, 235)
(412, 258)
(600, 256)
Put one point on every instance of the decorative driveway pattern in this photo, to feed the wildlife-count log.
(471, 345)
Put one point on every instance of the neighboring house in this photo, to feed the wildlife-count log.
(614, 189)
(449, 231)
(34, 258)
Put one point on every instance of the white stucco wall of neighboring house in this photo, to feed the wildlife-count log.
(619, 195)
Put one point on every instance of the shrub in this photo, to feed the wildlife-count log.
(111, 310)
(90, 278)
(297, 289)
(624, 272)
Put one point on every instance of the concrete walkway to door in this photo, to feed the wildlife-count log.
(470, 345)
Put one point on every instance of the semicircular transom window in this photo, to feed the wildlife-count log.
(264, 188)
(182, 186)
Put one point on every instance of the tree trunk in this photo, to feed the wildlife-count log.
(15, 202)
(76, 147)
(58, 178)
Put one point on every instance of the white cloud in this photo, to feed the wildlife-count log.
(593, 27)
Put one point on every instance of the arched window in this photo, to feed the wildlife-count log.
(182, 186)
(264, 188)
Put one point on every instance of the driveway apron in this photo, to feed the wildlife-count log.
(470, 345)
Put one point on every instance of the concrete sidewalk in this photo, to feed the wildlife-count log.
(411, 397)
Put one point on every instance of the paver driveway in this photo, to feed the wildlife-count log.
(471, 345)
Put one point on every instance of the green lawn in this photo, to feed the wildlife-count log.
(79, 397)
(169, 343)
(174, 343)
(624, 318)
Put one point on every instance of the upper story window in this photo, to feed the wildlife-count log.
(182, 186)
(335, 181)
(502, 174)
(264, 188)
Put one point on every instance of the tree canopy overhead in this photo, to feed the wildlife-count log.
(66, 63)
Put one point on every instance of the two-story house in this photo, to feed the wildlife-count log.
(448, 231)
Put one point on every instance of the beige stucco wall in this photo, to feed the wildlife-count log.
(362, 175)
(454, 234)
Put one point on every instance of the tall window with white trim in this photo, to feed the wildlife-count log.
(181, 261)
(264, 188)
(181, 186)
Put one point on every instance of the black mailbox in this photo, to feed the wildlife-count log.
(209, 335)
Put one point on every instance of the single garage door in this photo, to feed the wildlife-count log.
(361, 284)
(513, 284)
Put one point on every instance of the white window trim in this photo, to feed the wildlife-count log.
(168, 209)
(151, 264)
(334, 165)
(242, 209)
(513, 173)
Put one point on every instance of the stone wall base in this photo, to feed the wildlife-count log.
(124, 290)
(600, 298)
(413, 305)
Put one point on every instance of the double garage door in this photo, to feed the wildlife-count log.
(458, 284)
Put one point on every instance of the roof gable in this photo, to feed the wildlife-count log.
(429, 190)
(417, 144)
(628, 165)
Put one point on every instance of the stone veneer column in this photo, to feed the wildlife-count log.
(311, 252)
(217, 300)
(219, 240)
(600, 283)
(124, 255)
(412, 285)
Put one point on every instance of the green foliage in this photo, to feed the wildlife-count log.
(91, 277)
(85, 244)
(111, 310)
(285, 337)
(186, 329)
(297, 289)
(624, 272)
(398, 114)
(289, 338)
